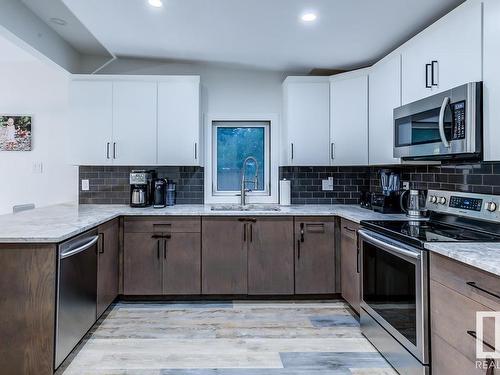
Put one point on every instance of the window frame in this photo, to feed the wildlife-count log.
(267, 153)
(272, 163)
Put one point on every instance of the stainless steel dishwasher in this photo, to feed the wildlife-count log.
(76, 292)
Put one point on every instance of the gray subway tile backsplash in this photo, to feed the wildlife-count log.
(110, 184)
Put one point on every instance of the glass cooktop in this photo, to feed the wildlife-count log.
(430, 231)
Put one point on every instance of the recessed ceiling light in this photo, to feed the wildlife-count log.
(309, 17)
(155, 3)
(58, 21)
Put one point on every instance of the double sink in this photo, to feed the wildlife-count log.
(248, 207)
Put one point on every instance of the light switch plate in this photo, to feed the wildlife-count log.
(327, 185)
(85, 185)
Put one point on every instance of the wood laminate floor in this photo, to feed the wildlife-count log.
(236, 338)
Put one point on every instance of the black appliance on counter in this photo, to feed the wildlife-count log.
(365, 199)
(394, 269)
(386, 204)
(160, 193)
(141, 188)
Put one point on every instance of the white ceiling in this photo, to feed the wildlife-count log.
(266, 34)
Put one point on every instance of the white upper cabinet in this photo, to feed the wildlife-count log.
(491, 85)
(445, 55)
(90, 128)
(179, 121)
(349, 118)
(306, 128)
(134, 123)
(135, 120)
(384, 96)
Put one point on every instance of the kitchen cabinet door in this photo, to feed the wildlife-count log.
(491, 83)
(314, 256)
(224, 254)
(306, 128)
(349, 264)
(270, 256)
(455, 43)
(90, 123)
(142, 264)
(349, 119)
(107, 265)
(384, 96)
(134, 123)
(179, 121)
(182, 264)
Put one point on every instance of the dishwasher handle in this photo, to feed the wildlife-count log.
(72, 251)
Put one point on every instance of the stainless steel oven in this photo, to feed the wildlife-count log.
(394, 301)
(442, 126)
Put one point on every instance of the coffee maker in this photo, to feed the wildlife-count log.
(141, 188)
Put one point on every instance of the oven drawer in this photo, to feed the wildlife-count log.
(447, 361)
(456, 276)
(162, 225)
(453, 318)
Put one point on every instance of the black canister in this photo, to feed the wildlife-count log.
(170, 193)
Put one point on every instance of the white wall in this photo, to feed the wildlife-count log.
(30, 86)
(225, 90)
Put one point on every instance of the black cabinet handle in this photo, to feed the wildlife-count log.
(245, 232)
(427, 68)
(167, 236)
(292, 150)
(101, 243)
(358, 260)
(107, 150)
(298, 249)
(251, 232)
(301, 232)
(473, 334)
(195, 151)
(158, 249)
(474, 285)
(434, 65)
(114, 150)
(349, 229)
(165, 249)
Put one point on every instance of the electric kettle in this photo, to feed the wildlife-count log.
(415, 204)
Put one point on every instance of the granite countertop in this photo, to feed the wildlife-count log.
(57, 223)
(485, 256)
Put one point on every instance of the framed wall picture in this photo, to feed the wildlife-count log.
(15, 132)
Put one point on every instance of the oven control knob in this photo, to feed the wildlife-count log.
(433, 199)
(491, 206)
(442, 200)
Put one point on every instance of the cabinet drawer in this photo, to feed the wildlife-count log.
(162, 225)
(447, 361)
(456, 275)
(453, 316)
(349, 229)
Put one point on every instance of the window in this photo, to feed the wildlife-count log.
(233, 142)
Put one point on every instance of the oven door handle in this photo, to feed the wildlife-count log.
(442, 135)
(387, 246)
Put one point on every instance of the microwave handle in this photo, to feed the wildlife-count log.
(445, 104)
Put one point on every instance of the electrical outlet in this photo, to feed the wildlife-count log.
(327, 185)
(406, 185)
(85, 185)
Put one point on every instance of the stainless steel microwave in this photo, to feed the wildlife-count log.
(442, 126)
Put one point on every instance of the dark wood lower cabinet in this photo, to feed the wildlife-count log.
(314, 255)
(160, 259)
(107, 266)
(224, 255)
(349, 264)
(142, 264)
(182, 264)
(270, 256)
(27, 306)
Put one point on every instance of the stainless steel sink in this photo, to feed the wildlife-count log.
(248, 207)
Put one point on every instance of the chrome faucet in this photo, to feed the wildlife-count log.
(255, 180)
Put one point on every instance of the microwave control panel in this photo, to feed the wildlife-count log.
(458, 125)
